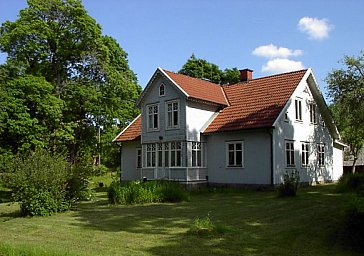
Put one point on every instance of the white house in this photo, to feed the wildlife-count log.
(252, 132)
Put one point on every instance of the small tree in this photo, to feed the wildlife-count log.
(346, 88)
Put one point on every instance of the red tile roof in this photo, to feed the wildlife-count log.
(255, 104)
(198, 88)
(131, 132)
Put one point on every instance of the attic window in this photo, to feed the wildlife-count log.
(298, 108)
(161, 90)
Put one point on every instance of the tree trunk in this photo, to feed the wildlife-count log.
(354, 163)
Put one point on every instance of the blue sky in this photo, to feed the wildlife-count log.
(266, 36)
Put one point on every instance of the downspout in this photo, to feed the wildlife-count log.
(270, 132)
(121, 159)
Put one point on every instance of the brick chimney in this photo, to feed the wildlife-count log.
(246, 75)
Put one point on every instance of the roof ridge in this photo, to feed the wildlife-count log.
(270, 76)
(191, 77)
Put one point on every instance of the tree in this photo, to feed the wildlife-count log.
(31, 114)
(58, 42)
(203, 69)
(346, 88)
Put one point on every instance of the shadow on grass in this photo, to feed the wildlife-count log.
(5, 196)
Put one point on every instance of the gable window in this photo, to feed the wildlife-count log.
(151, 155)
(139, 158)
(196, 154)
(286, 116)
(321, 154)
(290, 153)
(172, 114)
(313, 113)
(153, 117)
(176, 154)
(305, 152)
(298, 109)
(234, 154)
(161, 90)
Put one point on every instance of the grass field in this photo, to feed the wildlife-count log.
(255, 223)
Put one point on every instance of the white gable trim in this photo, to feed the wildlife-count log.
(146, 89)
(126, 128)
(320, 101)
(165, 74)
(284, 109)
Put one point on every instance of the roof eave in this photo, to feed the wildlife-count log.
(115, 139)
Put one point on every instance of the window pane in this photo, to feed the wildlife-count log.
(173, 158)
(175, 118)
(199, 158)
(238, 146)
(239, 158)
(194, 156)
(231, 147)
(231, 158)
(178, 160)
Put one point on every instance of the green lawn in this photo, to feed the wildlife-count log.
(257, 223)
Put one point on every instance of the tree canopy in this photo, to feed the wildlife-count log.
(200, 68)
(346, 88)
(63, 80)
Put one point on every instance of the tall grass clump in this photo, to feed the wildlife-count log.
(137, 192)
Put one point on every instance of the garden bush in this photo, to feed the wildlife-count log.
(290, 184)
(138, 192)
(44, 184)
(352, 182)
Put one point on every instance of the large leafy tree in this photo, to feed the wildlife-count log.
(201, 68)
(346, 88)
(57, 42)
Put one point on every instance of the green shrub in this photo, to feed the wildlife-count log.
(44, 184)
(352, 182)
(137, 192)
(353, 225)
(290, 184)
(38, 182)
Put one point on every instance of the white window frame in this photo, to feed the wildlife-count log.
(313, 113)
(175, 153)
(162, 90)
(150, 155)
(305, 154)
(298, 109)
(170, 114)
(289, 153)
(321, 154)
(139, 156)
(235, 153)
(197, 158)
(152, 111)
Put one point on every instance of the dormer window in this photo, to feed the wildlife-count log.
(161, 90)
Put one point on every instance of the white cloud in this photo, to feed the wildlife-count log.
(279, 65)
(273, 51)
(315, 28)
